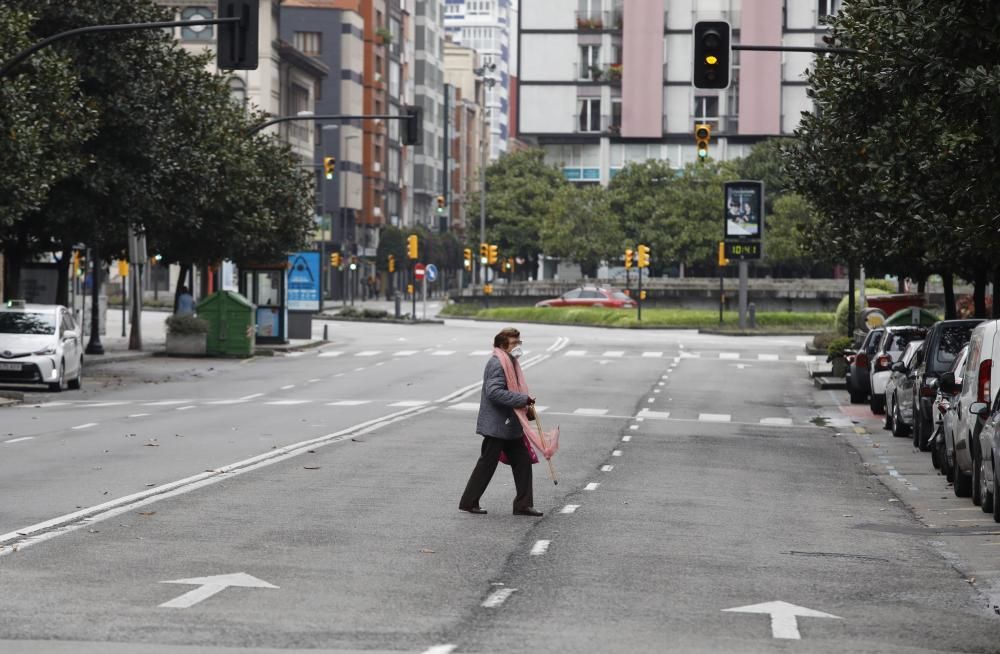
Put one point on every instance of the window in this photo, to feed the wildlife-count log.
(238, 91)
(589, 115)
(197, 32)
(616, 115)
(827, 8)
(309, 43)
(706, 106)
(590, 61)
(589, 8)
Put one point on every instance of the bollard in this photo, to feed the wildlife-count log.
(397, 306)
(326, 334)
(752, 315)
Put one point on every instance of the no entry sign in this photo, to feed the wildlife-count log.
(418, 271)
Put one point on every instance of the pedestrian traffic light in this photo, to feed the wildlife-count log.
(493, 255)
(702, 137)
(484, 253)
(413, 127)
(723, 261)
(440, 203)
(236, 48)
(467, 258)
(643, 256)
(712, 54)
(335, 260)
(411, 246)
(392, 263)
(628, 258)
(329, 164)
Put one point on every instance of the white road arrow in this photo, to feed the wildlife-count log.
(210, 586)
(784, 617)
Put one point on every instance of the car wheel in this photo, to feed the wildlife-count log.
(977, 483)
(877, 404)
(59, 386)
(77, 382)
(935, 458)
(923, 442)
(947, 469)
(987, 498)
(899, 430)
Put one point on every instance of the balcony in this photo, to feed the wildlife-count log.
(591, 21)
(610, 74)
(611, 126)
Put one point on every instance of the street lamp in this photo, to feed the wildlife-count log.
(488, 82)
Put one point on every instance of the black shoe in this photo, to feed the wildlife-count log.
(528, 511)
(473, 509)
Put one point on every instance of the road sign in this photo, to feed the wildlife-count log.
(432, 272)
(418, 271)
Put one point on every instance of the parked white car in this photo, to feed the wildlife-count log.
(39, 344)
(978, 387)
(889, 350)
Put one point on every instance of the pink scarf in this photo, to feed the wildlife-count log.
(546, 442)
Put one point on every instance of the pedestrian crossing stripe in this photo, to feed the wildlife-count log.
(442, 353)
(614, 353)
(410, 403)
(331, 353)
(590, 412)
(714, 417)
(729, 355)
(652, 355)
(287, 402)
(368, 353)
(404, 353)
(767, 357)
(349, 403)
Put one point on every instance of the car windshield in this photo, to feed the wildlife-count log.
(898, 340)
(953, 339)
(27, 322)
(618, 295)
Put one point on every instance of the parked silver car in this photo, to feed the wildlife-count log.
(899, 388)
(989, 445)
(888, 351)
(39, 344)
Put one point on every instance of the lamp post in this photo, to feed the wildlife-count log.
(487, 82)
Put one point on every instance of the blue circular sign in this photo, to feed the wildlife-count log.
(432, 272)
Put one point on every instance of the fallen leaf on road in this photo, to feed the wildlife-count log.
(311, 467)
(426, 551)
(147, 512)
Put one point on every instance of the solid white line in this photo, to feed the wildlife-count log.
(616, 453)
(348, 403)
(592, 485)
(85, 425)
(138, 415)
(569, 508)
(607, 468)
(18, 440)
(498, 597)
(409, 403)
(540, 547)
(99, 404)
(166, 402)
(289, 386)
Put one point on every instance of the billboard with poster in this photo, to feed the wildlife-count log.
(744, 210)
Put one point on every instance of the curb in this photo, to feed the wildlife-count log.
(830, 384)
(401, 321)
(10, 398)
(700, 330)
(271, 350)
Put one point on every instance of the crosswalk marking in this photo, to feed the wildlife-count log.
(807, 358)
(410, 403)
(592, 485)
(786, 422)
(480, 353)
(590, 412)
(331, 353)
(442, 353)
(655, 415)
(464, 406)
(569, 508)
(368, 353)
(404, 353)
(714, 417)
(729, 355)
(287, 402)
(576, 353)
(348, 403)
(767, 357)
(614, 353)
(652, 355)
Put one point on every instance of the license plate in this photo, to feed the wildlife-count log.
(10, 366)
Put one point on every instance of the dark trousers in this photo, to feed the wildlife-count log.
(520, 465)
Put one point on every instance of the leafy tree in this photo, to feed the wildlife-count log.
(636, 193)
(582, 228)
(686, 229)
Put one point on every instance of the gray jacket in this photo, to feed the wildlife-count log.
(496, 404)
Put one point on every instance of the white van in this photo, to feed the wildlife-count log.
(979, 387)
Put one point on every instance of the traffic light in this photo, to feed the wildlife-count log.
(440, 201)
(392, 263)
(712, 54)
(628, 258)
(76, 263)
(413, 128)
(493, 255)
(723, 261)
(484, 253)
(354, 263)
(467, 258)
(411, 246)
(643, 256)
(237, 42)
(329, 164)
(335, 260)
(702, 137)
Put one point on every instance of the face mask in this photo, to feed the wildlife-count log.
(517, 352)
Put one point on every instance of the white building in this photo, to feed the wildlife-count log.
(488, 27)
(606, 82)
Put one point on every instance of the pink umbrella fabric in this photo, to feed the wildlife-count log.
(546, 442)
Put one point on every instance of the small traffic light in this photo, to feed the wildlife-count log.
(329, 164)
(413, 129)
(628, 258)
(642, 294)
(509, 264)
(643, 256)
(335, 259)
(488, 289)
(76, 264)
(723, 261)
(440, 203)
(467, 258)
(412, 243)
(354, 263)
(484, 253)
(392, 263)
(493, 255)
(702, 137)
(712, 54)
(236, 48)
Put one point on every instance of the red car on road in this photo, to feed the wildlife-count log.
(591, 296)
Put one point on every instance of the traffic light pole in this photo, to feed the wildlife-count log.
(638, 300)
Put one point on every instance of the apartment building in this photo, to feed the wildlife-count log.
(428, 78)
(468, 134)
(606, 82)
(488, 27)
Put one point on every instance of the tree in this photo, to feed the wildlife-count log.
(582, 228)
(636, 193)
(687, 227)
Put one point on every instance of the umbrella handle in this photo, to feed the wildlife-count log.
(541, 435)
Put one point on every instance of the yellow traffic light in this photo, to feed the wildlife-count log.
(643, 256)
(642, 294)
(392, 263)
(484, 253)
(723, 261)
(440, 203)
(467, 258)
(411, 246)
(508, 264)
(628, 257)
(488, 289)
(493, 255)
(702, 137)
(329, 164)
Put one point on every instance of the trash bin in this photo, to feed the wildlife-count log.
(231, 330)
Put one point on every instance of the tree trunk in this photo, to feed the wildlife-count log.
(979, 292)
(12, 272)
(181, 281)
(900, 283)
(851, 306)
(922, 284)
(948, 281)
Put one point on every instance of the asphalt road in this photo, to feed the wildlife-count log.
(318, 493)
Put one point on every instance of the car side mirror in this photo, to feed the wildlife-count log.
(981, 409)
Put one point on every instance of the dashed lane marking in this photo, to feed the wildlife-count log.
(785, 422)
(288, 387)
(404, 353)
(652, 355)
(498, 597)
(607, 468)
(331, 353)
(626, 439)
(348, 403)
(767, 357)
(287, 402)
(614, 353)
(592, 486)
(18, 440)
(138, 415)
(85, 425)
(569, 508)
(540, 547)
(410, 403)
(167, 403)
(729, 355)
(368, 353)
(442, 353)
(616, 453)
(186, 408)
